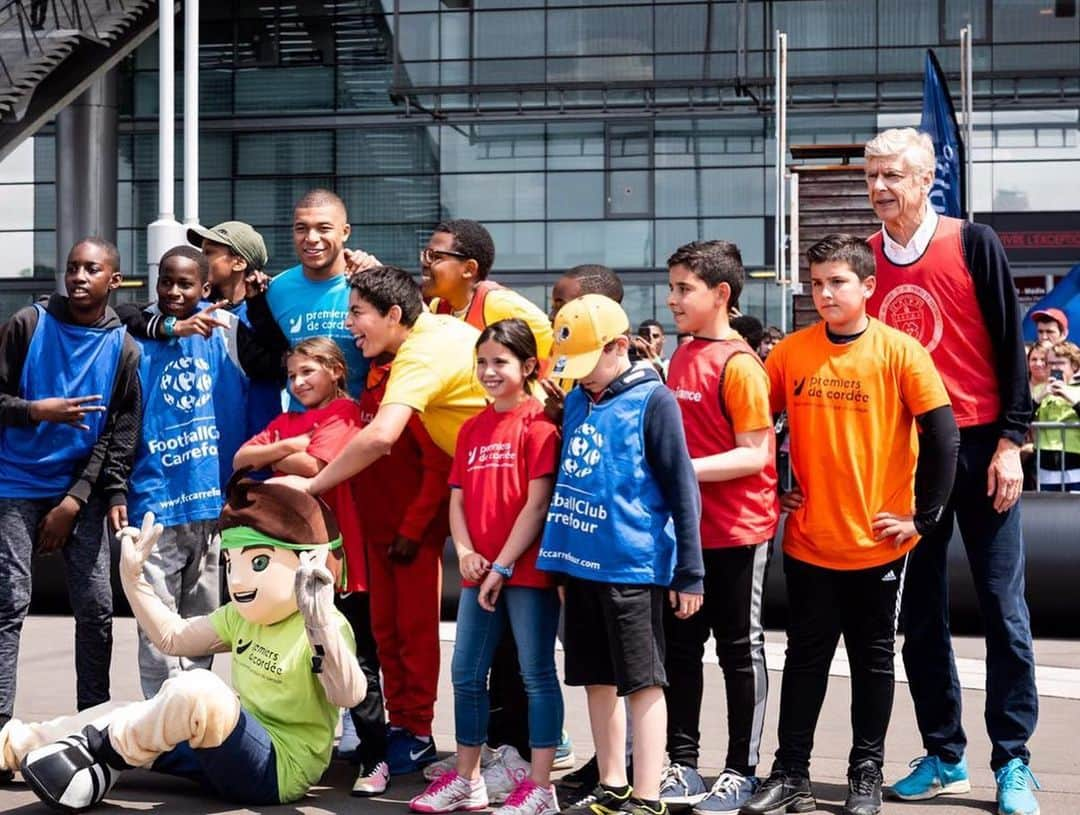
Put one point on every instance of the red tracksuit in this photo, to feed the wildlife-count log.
(405, 493)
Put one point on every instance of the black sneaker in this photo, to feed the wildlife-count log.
(6, 776)
(581, 780)
(781, 793)
(635, 806)
(864, 789)
(601, 801)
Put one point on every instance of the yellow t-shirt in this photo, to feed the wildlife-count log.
(434, 373)
(852, 410)
(502, 304)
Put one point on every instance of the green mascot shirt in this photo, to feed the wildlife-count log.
(271, 672)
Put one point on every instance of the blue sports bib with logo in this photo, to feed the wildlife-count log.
(608, 520)
(194, 394)
(62, 360)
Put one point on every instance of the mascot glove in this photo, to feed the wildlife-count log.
(314, 589)
(137, 544)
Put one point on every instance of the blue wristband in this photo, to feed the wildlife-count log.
(505, 571)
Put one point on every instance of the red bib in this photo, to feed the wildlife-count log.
(933, 300)
(475, 315)
(737, 512)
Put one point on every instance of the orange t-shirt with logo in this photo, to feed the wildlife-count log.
(851, 409)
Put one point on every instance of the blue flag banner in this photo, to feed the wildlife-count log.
(939, 122)
(1065, 295)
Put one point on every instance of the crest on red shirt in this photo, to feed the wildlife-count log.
(913, 310)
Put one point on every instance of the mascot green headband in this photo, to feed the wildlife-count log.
(236, 537)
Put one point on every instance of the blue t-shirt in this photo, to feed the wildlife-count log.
(306, 308)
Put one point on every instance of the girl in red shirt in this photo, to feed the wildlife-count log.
(302, 443)
(501, 484)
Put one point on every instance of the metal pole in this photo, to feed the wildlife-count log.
(781, 157)
(969, 115)
(86, 163)
(793, 238)
(165, 232)
(191, 112)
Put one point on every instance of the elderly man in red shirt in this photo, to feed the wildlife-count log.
(947, 282)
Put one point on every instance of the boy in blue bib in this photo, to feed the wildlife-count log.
(623, 527)
(69, 394)
(194, 394)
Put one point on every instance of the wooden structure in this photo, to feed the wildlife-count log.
(832, 198)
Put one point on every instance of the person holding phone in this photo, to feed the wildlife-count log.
(1059, 448)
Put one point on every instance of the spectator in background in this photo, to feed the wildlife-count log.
(653, 332)
(772, 336)
(1051, 325)
(750, 329)
(1059, 449)
(1038, 370)
(588, 278)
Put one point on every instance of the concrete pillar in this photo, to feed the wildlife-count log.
(86, 169)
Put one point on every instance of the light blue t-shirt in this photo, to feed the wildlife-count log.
(306, 308)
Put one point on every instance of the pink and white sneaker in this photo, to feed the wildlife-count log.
(529, 798)
(451, 792)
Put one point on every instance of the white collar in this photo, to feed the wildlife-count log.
(903, 255)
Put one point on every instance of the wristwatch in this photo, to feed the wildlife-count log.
(505, 571)
(169, 325)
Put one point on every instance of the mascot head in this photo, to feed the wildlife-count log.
(264, 527)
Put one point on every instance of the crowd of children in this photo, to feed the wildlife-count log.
(586, 497)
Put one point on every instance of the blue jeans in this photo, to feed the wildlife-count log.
(533, 616)
(242, 769)
(995, 552)
(86, 562)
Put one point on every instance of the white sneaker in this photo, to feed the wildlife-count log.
(505, 772)
(529, 798)
(451, 792)
(372, 781)
(444, 765)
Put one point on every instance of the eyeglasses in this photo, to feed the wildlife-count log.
(429, 255)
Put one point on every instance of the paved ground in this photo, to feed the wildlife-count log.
(46, 689)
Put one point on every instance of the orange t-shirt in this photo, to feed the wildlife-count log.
(851, 409)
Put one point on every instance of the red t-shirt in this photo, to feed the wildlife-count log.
(497, 455)
(331, 428)
(403, 493)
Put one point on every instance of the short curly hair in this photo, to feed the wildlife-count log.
(1069, 351)
(473, 240)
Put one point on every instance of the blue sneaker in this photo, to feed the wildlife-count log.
(407, 753)
(564, 754)
(932, 777)
(681, 786)
(346, 749)
(728, 795)
(1014, 795)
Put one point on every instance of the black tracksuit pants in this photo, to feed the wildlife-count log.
(862, 605)
(731, 612)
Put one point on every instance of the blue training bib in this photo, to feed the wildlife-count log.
(194, 398)
(63, 360)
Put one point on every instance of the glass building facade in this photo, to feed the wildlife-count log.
(578, 131)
